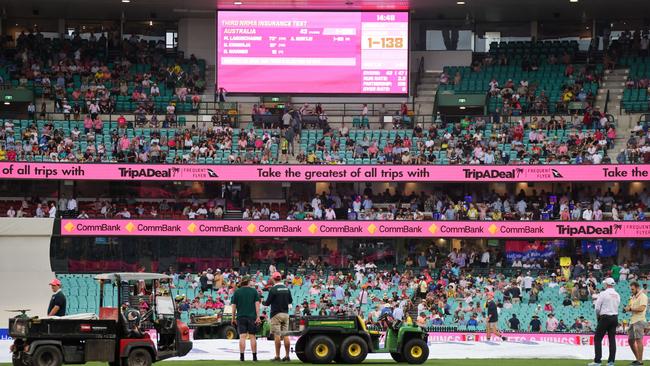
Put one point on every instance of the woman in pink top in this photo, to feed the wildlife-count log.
(565, 215)
(373, 150)
(99, 125)
(124, 143)
(121, 121)
(88, 124)
(259, 143)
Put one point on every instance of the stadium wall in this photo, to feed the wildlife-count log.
(437, 60)
(198, 36)
(25, 265)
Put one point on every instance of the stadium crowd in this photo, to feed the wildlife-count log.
(534, 140)
(78, 76)
(431, 290)
(581, 204)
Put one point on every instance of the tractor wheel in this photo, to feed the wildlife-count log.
(320, 349)
(299, 349)
(20, 359)
(415, 351)
(47, 356)
(353, 350)
(397, 357)
(228, 332)
(200, 333)
(139, 357)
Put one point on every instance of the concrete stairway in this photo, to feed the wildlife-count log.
(614, 82)
(427, 90)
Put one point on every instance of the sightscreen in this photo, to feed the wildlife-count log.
(312, 52)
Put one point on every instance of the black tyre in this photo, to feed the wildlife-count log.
(397, 357)
(228, 332)
(353, 350)
(47, 356)
(200, 333)
(320, 349)
(139, 357)
(20, 359)
(299, 348)
(416, 351)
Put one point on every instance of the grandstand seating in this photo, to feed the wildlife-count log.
(517, 50)
(83, 293)
(308, 143)
(549, 78)
(636, 100)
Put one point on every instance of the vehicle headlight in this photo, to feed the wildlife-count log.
(19, 329)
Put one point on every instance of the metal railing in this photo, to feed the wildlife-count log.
(418, 79)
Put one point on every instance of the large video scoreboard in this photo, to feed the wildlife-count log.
(313, 52)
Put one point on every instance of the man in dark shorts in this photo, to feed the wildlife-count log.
(279, 300)
(246, 315)
(492, 326)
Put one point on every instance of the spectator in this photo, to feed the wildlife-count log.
(535, 325)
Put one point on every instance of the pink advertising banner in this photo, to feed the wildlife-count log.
(410, 229)
(561, 338)
(320, 173)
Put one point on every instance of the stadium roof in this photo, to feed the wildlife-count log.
(480, 10)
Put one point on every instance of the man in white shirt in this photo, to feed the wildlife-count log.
(588, 214)
(72, 206)
(624, 273)
(39, 211)
(52, 212)
(11, 212)
(528, 282)
(315, 201)
(606, 306)
(202, 211)
(485, 259)
(330, 214)
(62, 205)
(398, 313)
(125, 214)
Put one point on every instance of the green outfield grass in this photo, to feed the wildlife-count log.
(486, 362)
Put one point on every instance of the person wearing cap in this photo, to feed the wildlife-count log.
(58, 301)
(606, 306)
(246, 315)
(279, 299)
(535, 325)
(637, 306)
(492, 326)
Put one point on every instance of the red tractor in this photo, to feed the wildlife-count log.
(120, 335)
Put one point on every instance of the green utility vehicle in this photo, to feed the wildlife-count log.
(346, 339)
